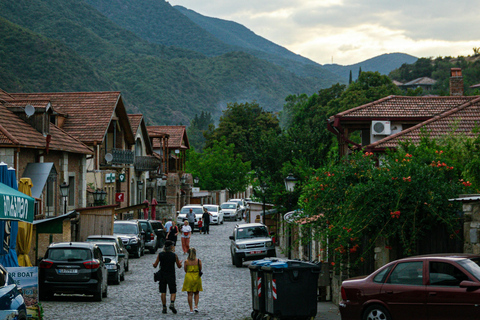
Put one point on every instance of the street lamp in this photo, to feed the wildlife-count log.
(183, 179)
(99, 196)
(290, 182)
(195, 180)
(64, 193)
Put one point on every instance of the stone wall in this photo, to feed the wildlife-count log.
(471, 227)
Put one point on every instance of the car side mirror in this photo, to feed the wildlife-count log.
(231, 238)
(107, 260)
(469, 284)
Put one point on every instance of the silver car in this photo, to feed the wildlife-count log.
(231, 210)
(216, 214)
(250, 241)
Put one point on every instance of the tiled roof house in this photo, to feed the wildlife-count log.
(171, 140)
(386, 122)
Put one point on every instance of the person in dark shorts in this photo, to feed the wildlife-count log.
(206, 221)
(167, 260)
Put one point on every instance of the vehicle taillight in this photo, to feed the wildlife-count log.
(344, 294)
(45, 264)
(91, 264)
(152, 236)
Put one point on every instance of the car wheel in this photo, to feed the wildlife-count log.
(376, 312)
(142, 251)
(237, 261)
(97, 296)
(122, 276)
(138, 254)
(117, 278)
(127, 266)
(233, 260)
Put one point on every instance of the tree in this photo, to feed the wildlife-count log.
(199, 125)
(219, 167)
(350, 78)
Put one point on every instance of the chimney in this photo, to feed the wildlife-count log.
(456, 82)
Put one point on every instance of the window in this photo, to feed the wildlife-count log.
(71, 191)
(407, 273)
(380, 277)
(445, 275)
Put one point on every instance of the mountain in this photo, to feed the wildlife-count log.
(384, 64)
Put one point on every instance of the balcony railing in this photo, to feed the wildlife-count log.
(116, 156)
(146, 163)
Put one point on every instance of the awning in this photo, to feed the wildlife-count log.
(39, 173)
(15, 205)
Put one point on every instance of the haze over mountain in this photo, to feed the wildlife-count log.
(169, 63)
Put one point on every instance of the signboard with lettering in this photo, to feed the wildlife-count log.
(15, 205)
(26, 279)
(109, 177)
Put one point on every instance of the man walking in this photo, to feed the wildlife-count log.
(167, 260)
(168, 225)
(206, 221)
(191, 219)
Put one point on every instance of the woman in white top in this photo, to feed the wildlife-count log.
(186, 232)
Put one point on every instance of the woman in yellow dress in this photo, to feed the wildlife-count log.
(192, 283)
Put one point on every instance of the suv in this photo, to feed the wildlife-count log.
(150, 236)
(182, 215)
(231, 210)
(132, 236)
(117, 240)
(73, 267)
(242, 204)
(250, 241)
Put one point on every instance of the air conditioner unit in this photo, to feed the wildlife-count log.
(381, 128)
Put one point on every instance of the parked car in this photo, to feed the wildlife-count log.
(217, 214)
(116, 265)
(231, 211)
(150, 236)
(159, 230)
(440, 286)
(250, 241)
(132, 236)
(12, 304)
(242, 206)
(182, 215)
(118, 241)
(73, 268)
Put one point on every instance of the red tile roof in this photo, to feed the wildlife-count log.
(15, 132)
(88, 114)
(463, 119)
(135, 120)
(178, 136)
(401, 107)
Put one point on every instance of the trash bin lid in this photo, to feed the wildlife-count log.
(257, 264)
(291, 264)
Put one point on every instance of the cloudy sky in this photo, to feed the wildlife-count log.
(350, 31)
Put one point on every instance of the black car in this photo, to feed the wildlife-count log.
(150, 236)
(132, 236)
(159, 230)
(118, 241)
(73, 268)
(116, 266)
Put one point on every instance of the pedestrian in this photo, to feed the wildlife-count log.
(192, 282)
(168, 225)
(200, 225)
(206, 221)
(191, 219)
(167, 260)
(172, 234)
(185, 238)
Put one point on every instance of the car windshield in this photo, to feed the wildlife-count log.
(195, 210)
(144, 226)
(107, 250)
(228, 206)
(69, 254)
(472, 265)
(252, 232)
(211, 208)
(100, 239)
(124, 228)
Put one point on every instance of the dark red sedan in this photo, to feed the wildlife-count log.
(441, 286)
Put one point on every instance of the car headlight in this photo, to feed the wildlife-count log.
(133, 241)
(269, 244)
(240, 246)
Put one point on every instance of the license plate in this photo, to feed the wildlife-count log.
(110, 266)
(67, 271)
(255, 252)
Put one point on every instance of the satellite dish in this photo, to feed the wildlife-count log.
(29, 110)
(108, 157)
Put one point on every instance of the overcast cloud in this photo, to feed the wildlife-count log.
(351, 31)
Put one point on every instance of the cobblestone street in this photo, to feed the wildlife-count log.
(226, 288)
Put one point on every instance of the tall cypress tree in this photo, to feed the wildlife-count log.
(350, 79)
(359, 72)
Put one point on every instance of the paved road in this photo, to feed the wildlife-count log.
(226, 295)
(226, 288)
